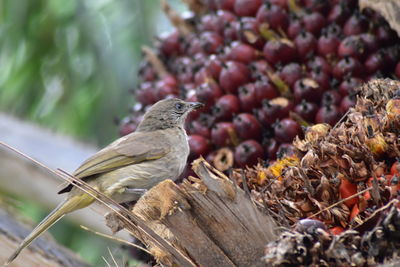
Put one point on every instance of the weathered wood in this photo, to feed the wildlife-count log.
(42, 252)
(211, 221)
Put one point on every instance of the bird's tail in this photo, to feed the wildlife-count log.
(70, 204)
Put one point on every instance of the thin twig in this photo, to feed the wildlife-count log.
(115, 239)
(127, 216)
(104, 259)
(30, 158)
(393, 201)
(112, 257)
(340, 201)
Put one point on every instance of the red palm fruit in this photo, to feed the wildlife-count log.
(247, 126)
(146, 93)
(337, 230)
(328, 44)
(199, 146)
(171, 44)
(225, 107)
(286, 130)
(246, 8)
(213, 66)
(370, 41)
(198, 127)
(233, 75)
(211, 42)
(279, 51)
(223, 134)
(307, 89)
(352, 46)
(247, 98)
(270, 146)
(230, 32)
(208, 93)
(322, 78)
(319, 63)
(164, 90)
(306, 44)
(321, 6)
(259, 68)
(147, 72)
(248, 32)
(225, 4)
(392, 55)
(210, 22)
(339, 13)
(397, 70)
(290, 73)
(328, 114)
(271, 110)
(193, 45)
(385, 34)
(314, 22)
(349, 85)
(210, 4)
(375, 62)
(264, 89)
(356, 24)
(347, 189)
(306, 110)
(275, 16)
(192, 97)
(225, 16)
(241, 52)
(247, 153)
(331, 97)
(295, 27)
(354, 211)
(395, 168)
(127, 126)
(282, 3)
(347, 102)
(347, 66)
(202, 76)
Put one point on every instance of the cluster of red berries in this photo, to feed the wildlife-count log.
(265, 68)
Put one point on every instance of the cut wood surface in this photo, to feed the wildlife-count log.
(208, 222)
(42, 252)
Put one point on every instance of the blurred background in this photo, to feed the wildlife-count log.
(68, 66)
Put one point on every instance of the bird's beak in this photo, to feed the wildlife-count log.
(195, 105)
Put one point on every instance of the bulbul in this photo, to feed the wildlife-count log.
(156, 151)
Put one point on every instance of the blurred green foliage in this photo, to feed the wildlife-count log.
(69, 64)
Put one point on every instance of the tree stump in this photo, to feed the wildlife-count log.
(206, 222)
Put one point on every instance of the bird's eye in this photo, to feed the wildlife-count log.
(179, 106)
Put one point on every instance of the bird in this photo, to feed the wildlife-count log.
(123, 170)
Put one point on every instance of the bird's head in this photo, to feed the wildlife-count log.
(167, 113)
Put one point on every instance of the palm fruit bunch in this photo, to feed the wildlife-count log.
(263, 69)
(338, 193)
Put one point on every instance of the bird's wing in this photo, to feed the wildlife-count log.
(131, 149)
